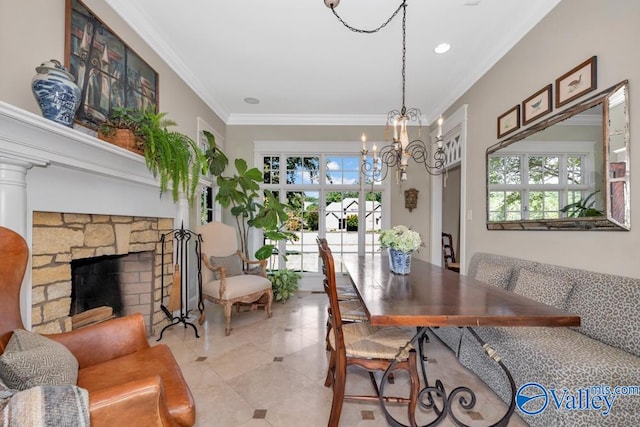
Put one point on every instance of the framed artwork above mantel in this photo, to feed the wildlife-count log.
(109, 73)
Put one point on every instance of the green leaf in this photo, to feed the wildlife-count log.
(264, 252)
(241, 166)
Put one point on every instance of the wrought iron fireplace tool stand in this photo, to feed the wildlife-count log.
(181, 238)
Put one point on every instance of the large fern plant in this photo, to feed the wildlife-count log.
(171, 156)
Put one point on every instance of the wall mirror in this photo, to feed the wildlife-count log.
(568, 172)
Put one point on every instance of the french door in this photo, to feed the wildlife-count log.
(327, 197)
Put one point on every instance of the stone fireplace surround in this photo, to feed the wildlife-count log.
(59, 238)
(47, 167)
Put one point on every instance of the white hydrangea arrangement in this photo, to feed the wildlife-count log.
(401, 238)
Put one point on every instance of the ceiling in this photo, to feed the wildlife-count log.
(305, 67)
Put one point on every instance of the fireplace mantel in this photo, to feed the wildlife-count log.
(47, 167)
(27, 137)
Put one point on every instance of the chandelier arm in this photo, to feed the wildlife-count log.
(361, 31)
(420, 154)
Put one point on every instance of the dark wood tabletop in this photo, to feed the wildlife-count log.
(434, 296)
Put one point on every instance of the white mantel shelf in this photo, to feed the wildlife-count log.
(30, 138)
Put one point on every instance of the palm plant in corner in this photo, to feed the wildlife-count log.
(241, 193)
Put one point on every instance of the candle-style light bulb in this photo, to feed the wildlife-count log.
(395, 129)
(440, 120)
(404, 136)
(364, 140)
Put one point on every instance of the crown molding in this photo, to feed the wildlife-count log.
(307, 119)
(136, 19)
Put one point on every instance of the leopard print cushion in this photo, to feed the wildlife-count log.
(514, 263)
(609, 311)
(550, 290)
(494, 274)
(556, 358)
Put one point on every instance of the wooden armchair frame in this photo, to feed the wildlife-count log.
(223, 291)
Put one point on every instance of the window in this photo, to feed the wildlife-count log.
(327, 198)
(536, 185)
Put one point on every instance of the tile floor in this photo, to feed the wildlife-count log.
(270, 372)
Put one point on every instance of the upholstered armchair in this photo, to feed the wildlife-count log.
(128, 381)
(225, 280)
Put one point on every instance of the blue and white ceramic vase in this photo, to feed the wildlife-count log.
(56, 92)
(399, 262)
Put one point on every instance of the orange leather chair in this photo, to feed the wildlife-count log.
(129, 382)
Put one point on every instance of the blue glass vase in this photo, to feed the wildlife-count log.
(399, 262)
(57, 94)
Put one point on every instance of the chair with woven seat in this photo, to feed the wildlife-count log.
(224, 279)
(360, 344)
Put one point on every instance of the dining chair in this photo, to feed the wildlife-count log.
(449, 253)
(360, 344)
(224, 278)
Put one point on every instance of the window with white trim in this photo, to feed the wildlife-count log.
(328, 198)
(537, 185)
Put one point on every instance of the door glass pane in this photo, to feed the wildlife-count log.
(302, 255)
(372, 221)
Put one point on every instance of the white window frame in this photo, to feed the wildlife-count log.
(585, 149)
(321, 149)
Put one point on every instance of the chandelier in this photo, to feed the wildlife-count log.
(397, 154)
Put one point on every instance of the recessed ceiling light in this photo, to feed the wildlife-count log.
(252, 100)
(442, 48)
(472, 2)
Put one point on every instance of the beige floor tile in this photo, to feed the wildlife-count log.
(237, 374)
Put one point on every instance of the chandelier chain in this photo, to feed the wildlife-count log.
(397, 155)
(358, 30)
(404, 53)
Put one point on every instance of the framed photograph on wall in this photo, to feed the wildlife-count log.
(509, 121)
(536, 105)
(109, 73)
(576, 82)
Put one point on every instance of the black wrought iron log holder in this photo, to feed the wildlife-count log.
(435, 397)
(182, 239)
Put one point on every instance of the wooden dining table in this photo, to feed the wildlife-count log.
(432, 296)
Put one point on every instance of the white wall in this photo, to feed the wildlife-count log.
(574, 31)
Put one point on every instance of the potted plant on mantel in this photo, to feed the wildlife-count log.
(172, 156)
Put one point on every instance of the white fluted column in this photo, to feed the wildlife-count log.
(13, 194)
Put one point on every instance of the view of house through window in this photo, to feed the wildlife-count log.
(326, 198)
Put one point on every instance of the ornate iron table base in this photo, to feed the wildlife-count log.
(435, 397)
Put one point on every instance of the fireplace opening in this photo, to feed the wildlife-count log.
(111, 286)
(95, 282)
